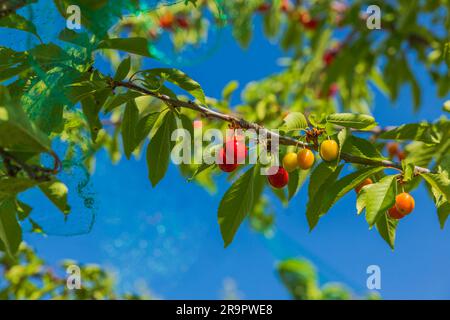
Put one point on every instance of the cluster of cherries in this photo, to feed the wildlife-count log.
(394, 150)
(234, 152)
(404, 202)
(286, 6)
(168, 21)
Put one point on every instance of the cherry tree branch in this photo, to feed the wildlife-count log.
(244, 124)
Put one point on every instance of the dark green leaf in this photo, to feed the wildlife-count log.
(236, 204)
(387, 227)
(15, 21)
(57, 193)
(158, 151)
(123, 69)
(139, 46)
(10, 231)
(179, 79)
(129, 124)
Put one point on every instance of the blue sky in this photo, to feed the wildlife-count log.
(168, 237)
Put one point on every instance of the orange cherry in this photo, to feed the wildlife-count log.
(363, 184)
(404, 203)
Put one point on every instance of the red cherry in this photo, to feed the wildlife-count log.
(280, 179)
(182, 22)
(329, 56)
(333, 90)
(263, 7)
(236, 150)
(308, 22)
(395, 214)
(222, 162)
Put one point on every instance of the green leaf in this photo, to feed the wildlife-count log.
(44, 100)
(439, 181)
(294, 121)
(119, 99)
(378, 197)
(361, 148)
(12, 186)
(351, 120)
(15, 21)
(446, 106)
(23, 210)
(344, 185)
(443, 212)
(179, 79)
(387, 227)
(236, 204)
(321, 179)
(123, 69)
(129, 124)
(139, 46)
(57, 193)
(91, 112)
(49, 54)
(79, 39)
(415, 131)
(202, 167)
(145, 125)
(229, 89)
(158, 151)
(10, 231)
(17, 133)
(296, 180)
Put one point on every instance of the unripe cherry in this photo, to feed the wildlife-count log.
(329, 150)
(290, 161)
(305, 159)
(279, 179)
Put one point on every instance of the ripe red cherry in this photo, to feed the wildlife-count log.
(182, 22)
(263, 7)
(333, 90)
(232, 154)
(222, 162)
(395, 214)
(236, 150)
(329, 55)
(308, 22)
(280, 179)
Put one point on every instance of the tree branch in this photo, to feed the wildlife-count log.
(285, 140)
